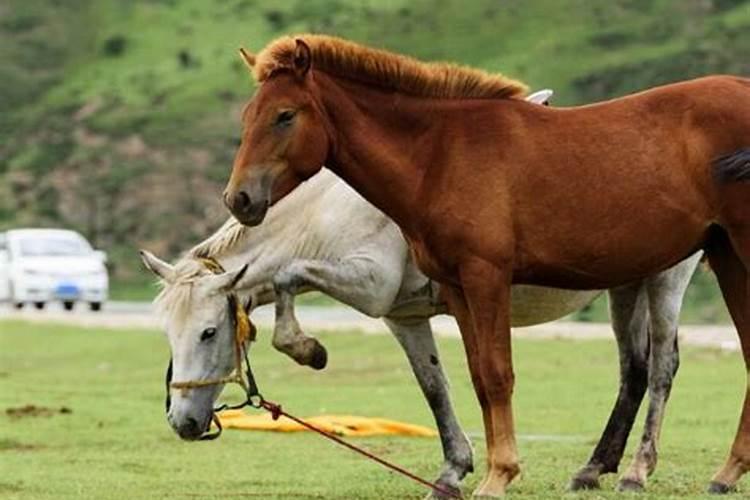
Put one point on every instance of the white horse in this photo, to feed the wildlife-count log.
(347, 249)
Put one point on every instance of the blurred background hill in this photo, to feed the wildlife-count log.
(120, 118)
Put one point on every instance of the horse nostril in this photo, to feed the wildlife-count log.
(242, 201)
(192, 423)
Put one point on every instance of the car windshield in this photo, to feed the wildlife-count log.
(54, 246)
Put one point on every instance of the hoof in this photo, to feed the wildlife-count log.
(580, 483)
(717, 488)
(630, 485)
(485, 493)
(487, 496)
(319, 358)
(439, 495)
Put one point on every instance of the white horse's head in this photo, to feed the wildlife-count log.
(198, 309)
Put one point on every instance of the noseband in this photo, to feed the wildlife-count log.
(244, 333)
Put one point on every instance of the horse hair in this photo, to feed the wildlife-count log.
(388, 70)
(734, 167)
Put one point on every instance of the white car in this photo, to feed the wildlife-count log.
(45, 265)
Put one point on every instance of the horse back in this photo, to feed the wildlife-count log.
(592, 186)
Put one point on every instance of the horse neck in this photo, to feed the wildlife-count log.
(282, 237)
(379, 144)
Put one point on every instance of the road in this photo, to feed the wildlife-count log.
(118, 315)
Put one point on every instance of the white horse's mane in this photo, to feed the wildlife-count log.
(230, 234)
(173, 300)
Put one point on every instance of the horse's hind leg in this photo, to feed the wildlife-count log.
(415, 336)
(665, 294)
(732, 266)
(629, 315)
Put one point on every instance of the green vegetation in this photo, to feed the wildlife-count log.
(120, 119)
(116, 444)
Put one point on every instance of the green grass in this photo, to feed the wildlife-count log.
(116, 443)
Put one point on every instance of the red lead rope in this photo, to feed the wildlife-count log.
(276, 412)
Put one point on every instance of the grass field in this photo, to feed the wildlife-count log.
(115, 443)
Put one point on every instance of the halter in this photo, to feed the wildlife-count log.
(244, 332)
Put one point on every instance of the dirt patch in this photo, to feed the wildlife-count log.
(36, 411)
(13, 445)
(10, 488)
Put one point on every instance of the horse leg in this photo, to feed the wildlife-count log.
(459, 309)
(732, 267)
(367, 286)
(486, 289)
(415, 336)
(665, 294)
(629, 315)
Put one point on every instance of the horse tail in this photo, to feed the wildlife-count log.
(734, 167)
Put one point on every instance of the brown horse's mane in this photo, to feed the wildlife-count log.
(387, 70)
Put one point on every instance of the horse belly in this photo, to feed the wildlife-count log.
(532, 305)
(604, 259)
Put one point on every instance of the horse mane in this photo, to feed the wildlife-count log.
(387, 70)
(174, 298)
(225, 238)
(173, 301)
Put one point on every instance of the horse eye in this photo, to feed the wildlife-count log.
(208, 333)
(285, 117)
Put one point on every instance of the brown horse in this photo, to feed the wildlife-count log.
(615, 192)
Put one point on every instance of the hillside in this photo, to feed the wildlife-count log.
(120, 119)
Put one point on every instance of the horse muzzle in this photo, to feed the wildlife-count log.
(250, 211)
(190, 428)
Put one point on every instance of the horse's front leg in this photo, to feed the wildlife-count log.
(486, 291)
(415, 336)
(361, 283)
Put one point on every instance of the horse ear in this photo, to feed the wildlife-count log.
(227, 281)
(248, 58)
(157, 266)
(302, 58)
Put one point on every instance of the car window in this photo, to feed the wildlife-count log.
(53, 246)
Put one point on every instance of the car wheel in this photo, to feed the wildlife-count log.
(95, 306)
(68, 305)
(16, 304)
(39, 305)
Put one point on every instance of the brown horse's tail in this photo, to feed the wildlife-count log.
(734, 167)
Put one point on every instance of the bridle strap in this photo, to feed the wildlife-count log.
(168, 382)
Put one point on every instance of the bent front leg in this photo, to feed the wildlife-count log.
(360, 283)
(415, 336)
